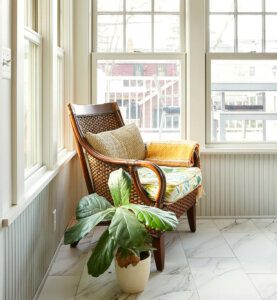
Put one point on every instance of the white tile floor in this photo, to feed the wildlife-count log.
(225, 259)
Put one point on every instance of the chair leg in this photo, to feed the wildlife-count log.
(191, 213)
(74, 245)
(159, 254)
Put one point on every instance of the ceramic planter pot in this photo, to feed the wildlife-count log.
(133, 279)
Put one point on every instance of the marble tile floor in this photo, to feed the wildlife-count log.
(226, 259)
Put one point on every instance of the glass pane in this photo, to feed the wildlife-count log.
(271, 33)
(138, 5)
(221, 5)
(59, 23)
(110, 33)
(271, 5)
(110, 5)
(244, 100)
(138, 33)
(167, 5)
(249, 5)
(31, 107)
(249, 33)
(167, 33)
(147, 92)
(60, 104)
(30, 14)
(222, 33)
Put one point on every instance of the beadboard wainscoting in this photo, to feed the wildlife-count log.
(235, 185)
(32, 239)
(239, 185)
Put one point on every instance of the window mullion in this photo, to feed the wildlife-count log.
(124, 26)
(152, 26)
(263, 27)
(236, 26)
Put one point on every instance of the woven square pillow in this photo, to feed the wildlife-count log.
(124, 142)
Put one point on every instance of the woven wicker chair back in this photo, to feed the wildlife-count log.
(98, 123)
(105, 118)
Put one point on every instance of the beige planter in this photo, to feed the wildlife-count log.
(133, 279)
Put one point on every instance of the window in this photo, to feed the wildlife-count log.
(139, 62)
(32, 94)
(241, 71)
(60, 99)
(60, 78)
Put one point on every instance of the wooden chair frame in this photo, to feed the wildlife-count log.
(84, 149)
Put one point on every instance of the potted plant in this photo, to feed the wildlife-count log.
(127, 236)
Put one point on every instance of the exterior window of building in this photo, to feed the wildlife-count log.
(139, 54)
(241, 71)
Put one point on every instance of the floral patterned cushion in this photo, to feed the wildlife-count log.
(180, 181)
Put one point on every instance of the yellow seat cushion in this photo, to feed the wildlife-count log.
(180, 181)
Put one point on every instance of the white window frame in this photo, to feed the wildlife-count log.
(60, 113)
(36, 39)
(26, 188)
(64, 52)
(25, 191)
(210, 56)
(180, 56)
(20, 33)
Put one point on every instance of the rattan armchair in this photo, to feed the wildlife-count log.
(97, 167)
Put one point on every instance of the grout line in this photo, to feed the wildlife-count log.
(46, 275)
(239, 262)
(252, 283)
(187, 259)
(263, 233)
(85, 264)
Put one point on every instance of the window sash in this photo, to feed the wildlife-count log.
(144, 56)
(236, 14)
(235, 55)
(230, 56)
(152, 13)
(31, 14)
(59, 23)
(60, 100)
(181, 57)
(35, 76)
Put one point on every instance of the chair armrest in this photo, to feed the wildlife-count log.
(173, 154)
(132, 165)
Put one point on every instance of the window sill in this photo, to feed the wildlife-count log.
(237, 150)
(33, 190)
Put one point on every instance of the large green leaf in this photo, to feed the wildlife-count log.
(127, 230)
(153, 217)
(102, 255)
(120, 187)
(85, 225)
(91, 204)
